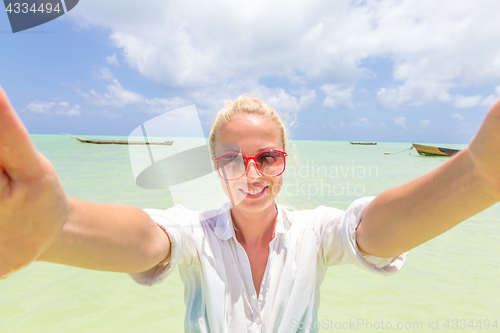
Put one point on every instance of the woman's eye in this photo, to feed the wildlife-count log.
(230, 159)
(266, 158)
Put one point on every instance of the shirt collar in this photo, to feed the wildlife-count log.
(224, 224)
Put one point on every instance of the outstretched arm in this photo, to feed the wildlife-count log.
(38, 221)
(406, 216)
(108, 238)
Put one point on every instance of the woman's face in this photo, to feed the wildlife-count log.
(252, 134)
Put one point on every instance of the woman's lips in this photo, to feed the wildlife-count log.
(254, 193)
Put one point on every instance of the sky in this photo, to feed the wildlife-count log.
(420, 71)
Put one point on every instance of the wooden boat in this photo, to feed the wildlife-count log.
(120, 142)
(363, 143)
(435, 151)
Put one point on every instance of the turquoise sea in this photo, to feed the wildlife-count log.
(450, 284)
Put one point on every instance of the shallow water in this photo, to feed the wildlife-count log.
(453, 277)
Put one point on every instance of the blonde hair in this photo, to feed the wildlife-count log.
(245, 105)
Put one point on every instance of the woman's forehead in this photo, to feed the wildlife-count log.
(251, 131)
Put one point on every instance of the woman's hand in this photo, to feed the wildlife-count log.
(408, 215)
(485, 151)
(33, 204)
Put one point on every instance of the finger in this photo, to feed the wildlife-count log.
(494, 110)
(485, 148)
(18, 156)
(4, 182)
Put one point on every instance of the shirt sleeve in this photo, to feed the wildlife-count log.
(177, 224)
(339, 246)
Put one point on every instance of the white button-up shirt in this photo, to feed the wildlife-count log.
(219, 291)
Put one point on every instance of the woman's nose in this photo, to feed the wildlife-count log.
(252, 171)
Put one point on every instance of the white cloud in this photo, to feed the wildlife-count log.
(209, 101)
(104, 74)
(338, 96)
(112, 60)
(467, 101)
(434, 46)
(487, 101)
(420, 93)
(118, 96)
(364, 122)
(458, 116)
(160, 105)
(413, 93)
(423, 125)
(53, 108)
(280, 100)
(307, 98)
(401, 121)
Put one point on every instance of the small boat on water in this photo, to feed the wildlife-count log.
(363, 143)
(120, 142)
(435, 151)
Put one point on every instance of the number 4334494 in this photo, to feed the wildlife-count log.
(24, 8)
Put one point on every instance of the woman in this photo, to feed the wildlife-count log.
(257, 267)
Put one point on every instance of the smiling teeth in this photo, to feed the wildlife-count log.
(254, 191)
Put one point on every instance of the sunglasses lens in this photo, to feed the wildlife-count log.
(271, 163)
(231, 166)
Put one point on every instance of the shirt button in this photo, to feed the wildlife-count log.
(257, 320)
